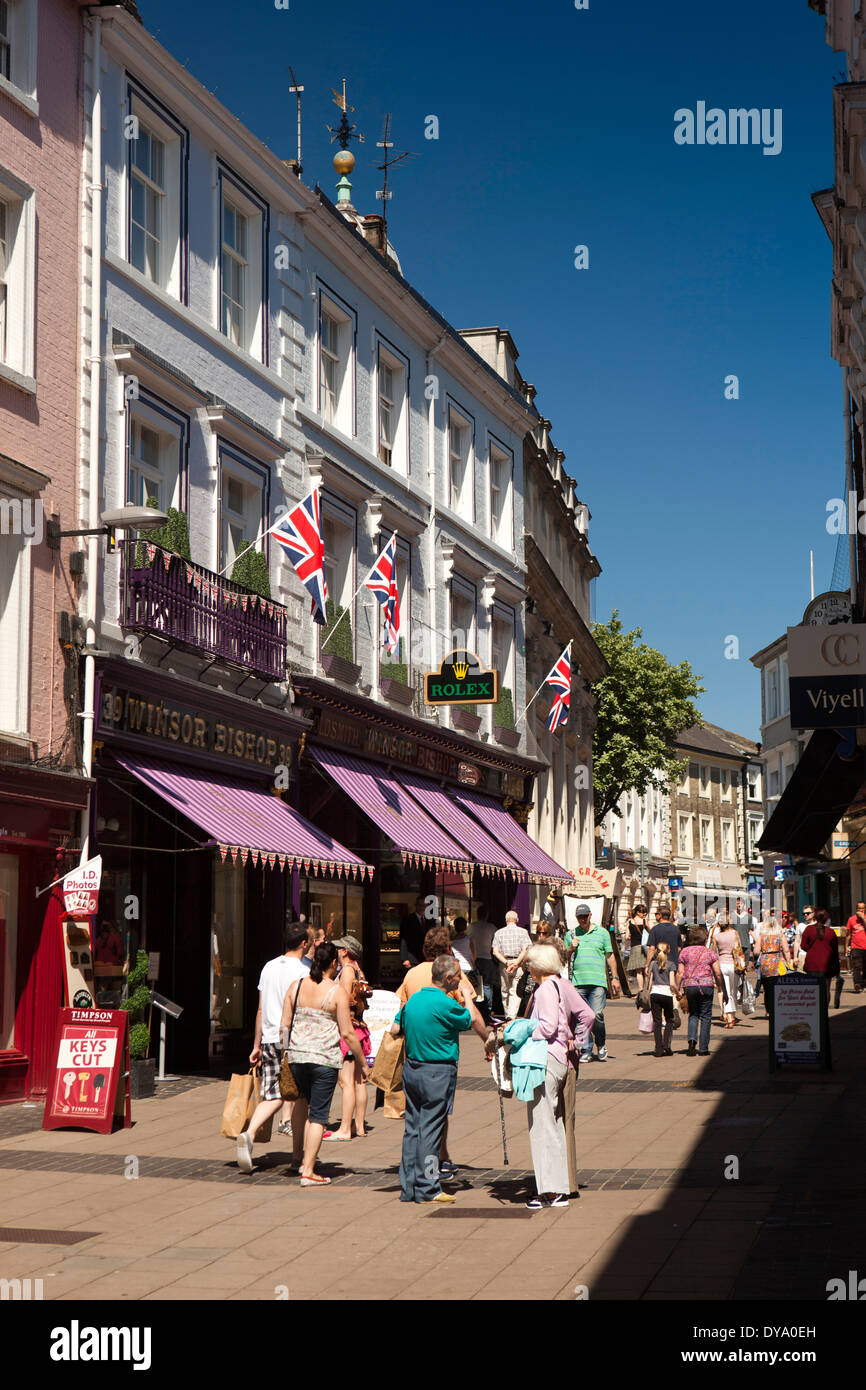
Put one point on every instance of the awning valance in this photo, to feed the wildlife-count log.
(245, 821)
(489, 855)
(819, 792)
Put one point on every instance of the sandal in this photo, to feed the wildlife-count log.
(315, 1181)
(337, 1138)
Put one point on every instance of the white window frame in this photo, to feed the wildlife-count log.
(461, 497)
(684, 782)
(172, 428)
(465, 592)
(22, 34)
(784, 691)
(388, 357)
(501, 531)
(706, 824)
(255, 479)
(342, 416)
(753, 771)
(238, 195)
(705, 781)
(159, 123)
(19, 279)
(685, 835)
(337, 513)
(771, 692)
(15, 618)
(756, 830)
(727, 838)
(504, 617)
(404, 588)
(726, 779)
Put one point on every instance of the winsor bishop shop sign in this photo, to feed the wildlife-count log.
(827, 676)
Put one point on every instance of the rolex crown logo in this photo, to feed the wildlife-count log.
(461, 670)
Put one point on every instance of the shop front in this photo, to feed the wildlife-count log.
(204, 850)
(39, 822)
(435, 815)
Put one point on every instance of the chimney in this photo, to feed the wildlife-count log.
(374, 231)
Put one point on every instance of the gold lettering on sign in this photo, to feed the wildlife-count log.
(186, 728)
(200, 730)
(174, 726)
(220, 739)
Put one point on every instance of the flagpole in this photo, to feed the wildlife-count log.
(521, 717)
(361, 586)
(262, 529)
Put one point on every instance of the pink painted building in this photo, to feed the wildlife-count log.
(41, 791)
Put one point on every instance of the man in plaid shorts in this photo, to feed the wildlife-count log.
(275, 980)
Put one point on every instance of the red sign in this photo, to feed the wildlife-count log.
(81, 888)
(89, 1086)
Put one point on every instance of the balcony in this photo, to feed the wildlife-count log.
(195, 610)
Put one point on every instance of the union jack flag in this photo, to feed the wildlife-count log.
(560, 679)
(299, 532)
(382, 580)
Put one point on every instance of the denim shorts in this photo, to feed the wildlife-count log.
(316, 1084)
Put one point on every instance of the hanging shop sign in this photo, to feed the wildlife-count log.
(170, 723)
(78, 962)
(592, 882)
(461, 681)
(89, 1083)
(827, 675)
(81, 889)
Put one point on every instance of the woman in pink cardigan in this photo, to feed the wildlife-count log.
(559, 1011)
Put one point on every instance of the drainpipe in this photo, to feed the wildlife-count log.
(431, 487)
(849, 472)
(95, 367)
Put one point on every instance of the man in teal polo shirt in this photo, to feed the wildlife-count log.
(432, 1023)
(592, 946)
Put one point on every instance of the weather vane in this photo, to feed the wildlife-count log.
(344, 131)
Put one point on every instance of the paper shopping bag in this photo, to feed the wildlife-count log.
(387, 1071)
(395, 1105)
(241, 1101)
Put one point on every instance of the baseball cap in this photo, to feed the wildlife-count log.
(583, 910)
(349, 943)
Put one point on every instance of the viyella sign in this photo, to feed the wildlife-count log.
(827, 676)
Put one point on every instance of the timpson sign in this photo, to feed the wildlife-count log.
(167, 723)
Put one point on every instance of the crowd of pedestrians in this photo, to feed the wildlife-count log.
(534, 994)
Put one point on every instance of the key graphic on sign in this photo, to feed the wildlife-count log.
(83, 1077)
(98, 1083)
(68, 1080)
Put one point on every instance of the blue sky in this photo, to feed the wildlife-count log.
(556, 129)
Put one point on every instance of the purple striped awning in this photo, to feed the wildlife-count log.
(390, 806)
(503, 827)
(488, 853)
(245, 821)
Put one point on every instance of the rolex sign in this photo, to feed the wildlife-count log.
(460, 681)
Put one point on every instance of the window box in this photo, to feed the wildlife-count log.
(339, 669)
(395, 690)
(509, 738)
(462, 719)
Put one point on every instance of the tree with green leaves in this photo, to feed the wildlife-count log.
(642, 705)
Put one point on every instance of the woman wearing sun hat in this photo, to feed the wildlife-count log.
(353, 1087)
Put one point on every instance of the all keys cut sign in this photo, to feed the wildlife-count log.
(89, 1085)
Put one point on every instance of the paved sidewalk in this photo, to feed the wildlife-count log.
(700, 1178)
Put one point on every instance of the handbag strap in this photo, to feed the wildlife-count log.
(294, 1011)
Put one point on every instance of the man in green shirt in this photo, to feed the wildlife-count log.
(432, 1023)
(592, 946)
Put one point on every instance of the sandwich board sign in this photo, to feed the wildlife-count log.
(799, 1035)
(89, 1083)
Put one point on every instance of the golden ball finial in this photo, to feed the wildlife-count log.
(344, 162)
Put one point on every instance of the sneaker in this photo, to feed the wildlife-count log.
(560, 1200)
(441, 1197)
(602, 1054)
(536, 1203)
(285, 1128)
(245, 1152)
(447, 1169)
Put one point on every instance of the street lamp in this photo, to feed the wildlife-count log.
(119, 518)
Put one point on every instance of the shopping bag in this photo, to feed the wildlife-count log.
(644, 1022)
(387, 1071)
(241, 1101)
(676, 1018)
(748, 997)
(395, 1105)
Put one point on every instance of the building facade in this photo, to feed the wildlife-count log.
(704, 831)
(247, 343)
(41, 793)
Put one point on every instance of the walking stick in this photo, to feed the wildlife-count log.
(499, 1093)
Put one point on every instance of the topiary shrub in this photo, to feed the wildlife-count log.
(250, 570)
(137, 1005)
(343, 644)
(503, 711)
(173, 536)
(394, 671)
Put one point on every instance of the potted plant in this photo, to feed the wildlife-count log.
(142, 1069)
(250, 570)
(337, 653)
(394, 679)
(503, 720)
(464, 717)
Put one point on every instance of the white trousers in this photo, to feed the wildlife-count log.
(547, 1140)
(508, 989)
(729, 975)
